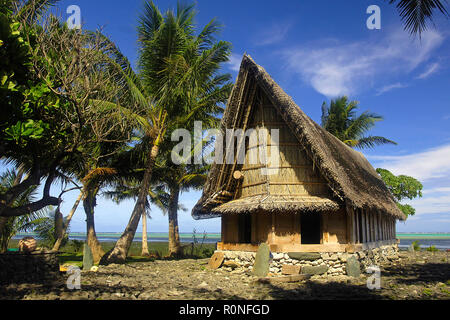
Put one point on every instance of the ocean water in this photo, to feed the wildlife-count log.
(439, 240)
(152, 237)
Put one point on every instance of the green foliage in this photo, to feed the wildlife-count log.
(76, 245)
(402, 187)
(46, 231)
(340, 120)
(415, 14)
(432, 249)
(25, 223)
(198, 248)
(416, 245)
(28, 106)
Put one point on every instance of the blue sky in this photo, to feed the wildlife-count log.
(317, 50)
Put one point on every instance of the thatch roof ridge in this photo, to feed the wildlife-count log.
(351, 177)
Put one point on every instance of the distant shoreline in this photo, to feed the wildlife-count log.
(425, 240)
(217, 235)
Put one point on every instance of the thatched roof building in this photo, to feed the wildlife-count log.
(316, 174)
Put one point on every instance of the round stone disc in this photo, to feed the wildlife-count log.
(216, 260)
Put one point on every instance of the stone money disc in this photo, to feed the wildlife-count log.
(216, 260)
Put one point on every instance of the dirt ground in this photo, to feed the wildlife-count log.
(419, 275)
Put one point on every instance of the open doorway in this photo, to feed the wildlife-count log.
(245, 228)
(310, 228)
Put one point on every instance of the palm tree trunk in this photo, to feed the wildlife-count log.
(60, 238)
(3, 221)
(145, 252)
(92, 241)
(6, 233)
(174, 236)
(119, 253)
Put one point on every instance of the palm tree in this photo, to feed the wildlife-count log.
(13, 225)
(178, 82)
(130, 190)
(341, 121)
(415, 13)
(180, 178)
(62, 233)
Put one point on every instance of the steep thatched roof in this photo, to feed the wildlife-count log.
(352, 179)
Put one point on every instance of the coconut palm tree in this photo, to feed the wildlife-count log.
(178, 179)
(340, 119)
(178, 82)
(130, 190)
(415, 14)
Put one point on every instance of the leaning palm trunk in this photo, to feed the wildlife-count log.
(119, 253)
(3, 221)
(92, 241)
(145, 252)
(174, 236)
(61, 235)
(6, 234)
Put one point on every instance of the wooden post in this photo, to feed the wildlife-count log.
(372, 229)
(356, 217)
(363, 226)
(350, 226)
(325, 227)
(222, 229)
(272, 231)
(377, 235)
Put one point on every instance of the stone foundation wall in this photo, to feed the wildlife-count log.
(323, 263)
(28, 268)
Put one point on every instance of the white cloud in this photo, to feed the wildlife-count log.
(273, 34)
(430, 205)
(432, 168)
(390, 87)
(235, 62)
(432, 68)
(427, 165)
(339, 69)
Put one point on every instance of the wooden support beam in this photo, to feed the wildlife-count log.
(350, 226)
(377, 236)
(325, 232)
(363, 225)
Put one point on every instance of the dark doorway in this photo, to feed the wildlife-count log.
(310, 228)
(245, 228)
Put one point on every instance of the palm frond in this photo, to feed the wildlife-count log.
(416, 13)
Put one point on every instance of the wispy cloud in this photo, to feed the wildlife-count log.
(340, 69)
(432, 168)
(235, 62)
(390, 87)
(427, 165)
(430, 204)
(275, 33)
(432, 68)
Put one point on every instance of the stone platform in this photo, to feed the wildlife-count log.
(314, 263)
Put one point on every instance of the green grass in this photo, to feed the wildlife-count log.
(72, 255)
